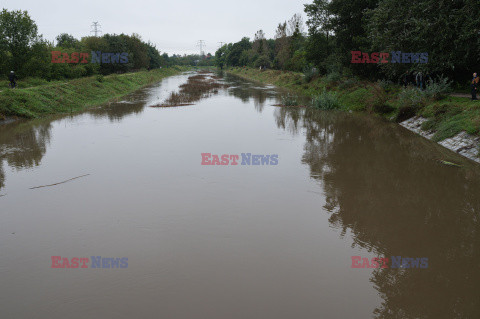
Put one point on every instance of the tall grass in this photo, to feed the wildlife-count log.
(326, 101)
(289, 100)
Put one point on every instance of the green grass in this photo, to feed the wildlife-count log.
(451, 116)
(26, 83)
(75, 95)
(446, 117)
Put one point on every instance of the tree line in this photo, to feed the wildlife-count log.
(449, 31)
(25, 51)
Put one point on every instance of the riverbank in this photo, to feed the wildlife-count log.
(76, 95)
(440, 118)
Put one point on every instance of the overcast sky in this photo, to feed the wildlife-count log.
(174, 26)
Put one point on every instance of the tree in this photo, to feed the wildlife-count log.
(259, 45)
(220, 56)
(282, 46)
(233, 56)
(156, 60)
(447, 30)
(295, 25)
(65, 40)
(319, 20)
(18, 33)
(347, 22)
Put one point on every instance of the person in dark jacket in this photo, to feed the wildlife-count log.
(474, 86)
(405, 79)
(419, 80)
(12, 77)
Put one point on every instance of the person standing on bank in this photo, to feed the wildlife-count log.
(419, 80)
(12, 77)
(474, 86)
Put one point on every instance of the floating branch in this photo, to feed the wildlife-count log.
(68, 180)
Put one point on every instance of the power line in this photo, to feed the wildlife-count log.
(95, 27)
(201, 44)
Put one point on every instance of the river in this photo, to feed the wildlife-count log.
(233, 241)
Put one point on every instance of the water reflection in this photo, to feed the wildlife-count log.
(23, 145)
(288, 118)
(247, 90)
(395, 199)
(116, 112)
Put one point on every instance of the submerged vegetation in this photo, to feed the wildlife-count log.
(199, 86)
(289, 100)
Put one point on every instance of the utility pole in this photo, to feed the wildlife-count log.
(221, 44)
(201, 44)
(95, 27)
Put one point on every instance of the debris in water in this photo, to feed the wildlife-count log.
(68, 180)
(449, 163)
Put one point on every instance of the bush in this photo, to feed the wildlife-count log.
(334, 77)
(310, 74)
(326, 101)
(412, 97)
(348, 83)
(378, 101)
(99, 77)
(439, 89)
(289, 100)
(386, 85)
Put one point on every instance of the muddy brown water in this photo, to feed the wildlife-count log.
(239, 241)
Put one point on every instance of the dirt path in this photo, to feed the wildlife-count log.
(461, 95)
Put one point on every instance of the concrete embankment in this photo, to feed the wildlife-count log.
(462, 143)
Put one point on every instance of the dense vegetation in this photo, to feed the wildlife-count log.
(318, 62)
(447, 30)
(24, 51)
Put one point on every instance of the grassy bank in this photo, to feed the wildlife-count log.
(75, 95)
(446, 115)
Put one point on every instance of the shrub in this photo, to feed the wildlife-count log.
(326, 101)
(99, 77)
(289, 100)
(334, 77)
(378, 101)
(439, 89)
(349, 82)
(386, 85)
(310, 74)
(411, 97)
